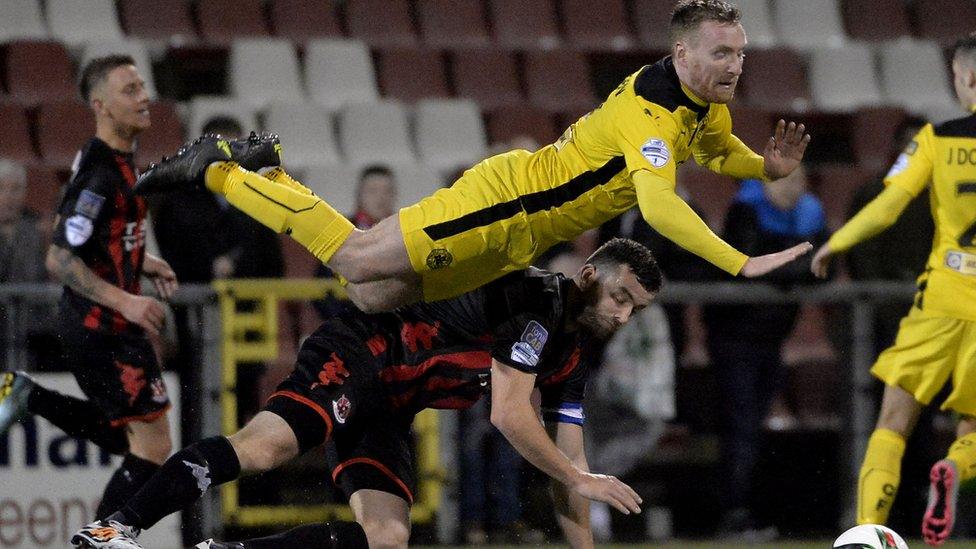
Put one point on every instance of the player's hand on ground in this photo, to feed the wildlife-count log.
(821, 261)
(760, 265)
(162, 275)
(144, 311)
(609, 489)
(784, 150)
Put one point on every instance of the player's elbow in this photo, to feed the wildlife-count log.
(503, 419)
(53, 261)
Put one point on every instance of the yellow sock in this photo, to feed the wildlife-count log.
(282, 208)
(880, 476)
(963, 454)
(279, 175)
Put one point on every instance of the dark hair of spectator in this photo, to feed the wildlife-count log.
(224, 126)
(966, 45)
(97, 70)
(623, 251)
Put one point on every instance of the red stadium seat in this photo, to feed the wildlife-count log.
(944, 21)
(39, 71)
(411, 74)
(15, 129)
(43, 190)
(165, 136)
(452, 23)
(775, 79)
(490, 77)
(597, 26)
(156, 19)
(221, 21)
(835, 184)
(651, 19)
(876, 20)
(559, 81)
(712, 192)
(393, 29)
(507, 123)
(873, 135)
(301, 20)
(525, 24)
(753, 126)
(62, 129)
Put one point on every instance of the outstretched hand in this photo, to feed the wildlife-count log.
(785, 149)
(760, 265)
(610, 490)
(821, 261)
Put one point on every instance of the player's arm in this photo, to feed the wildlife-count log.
(161, 274)
(71, 271)
(512, 413)
(669, 215)
(572, 509)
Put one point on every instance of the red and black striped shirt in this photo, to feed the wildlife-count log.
(102, 222)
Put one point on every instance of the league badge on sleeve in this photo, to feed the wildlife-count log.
(656, 152)
(78, 229)
(527, 350)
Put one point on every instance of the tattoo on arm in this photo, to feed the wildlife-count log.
(73, 273)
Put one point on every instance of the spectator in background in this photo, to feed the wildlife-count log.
(745, 341)
(22, 249)
(376, 197)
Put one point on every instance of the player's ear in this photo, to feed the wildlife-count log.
(587, 275)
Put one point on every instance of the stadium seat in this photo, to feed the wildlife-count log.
(593, 26)
(393, 29)
(15, 129)
(334, 183)
(307, 133)
(62, 129)
(338, 72)
(160, 20)
(416, 181)
(22, 20)
(525, 24)
(843, 79)
(301, 20)
(488, 76)
(712, 192)
(651, 19)
(872, 135)
(944, 21)
(449, 133)
(876, 20)
(835, 185)
(559, 81)
(223, 21)
(411, 74)
(376, 133)
(129, 46)
(752, 126)
(774, 79)
(757, 20)
(507, 123)
(203, 108)
(452, 23)
(805, 24)
(263, 70)
(43, 190)
(165, 136)
(39, 71)
(915, 76)
(76, 22)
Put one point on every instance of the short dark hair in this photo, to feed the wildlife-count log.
(623, 251)
(375, 169)
(965, 45)
(97, 70)
(689, 14)
(224, 126)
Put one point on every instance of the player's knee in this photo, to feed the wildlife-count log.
(258, 454)
(155, 449)
(387, 534)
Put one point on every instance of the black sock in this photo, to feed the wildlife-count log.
(78, 418)
(326, 535)
(180, 481)
(127, 480)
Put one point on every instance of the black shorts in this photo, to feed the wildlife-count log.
(335, 395)
(119, 373)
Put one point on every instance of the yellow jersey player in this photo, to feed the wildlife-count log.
(938, 337)
(508, 209)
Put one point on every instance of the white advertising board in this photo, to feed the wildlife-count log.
(50, 484)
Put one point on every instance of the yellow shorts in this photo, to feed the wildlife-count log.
(471, 233)
(926, 352)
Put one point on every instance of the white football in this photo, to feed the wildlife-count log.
(870, 536)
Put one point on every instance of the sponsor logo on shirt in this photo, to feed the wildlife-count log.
(89, 204)
(656, 152)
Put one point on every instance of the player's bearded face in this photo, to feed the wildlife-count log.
(610, 298)
(714, 58)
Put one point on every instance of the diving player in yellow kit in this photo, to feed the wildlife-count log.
(508, 209)
(937, 339)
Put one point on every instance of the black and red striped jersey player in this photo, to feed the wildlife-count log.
(360, 379)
